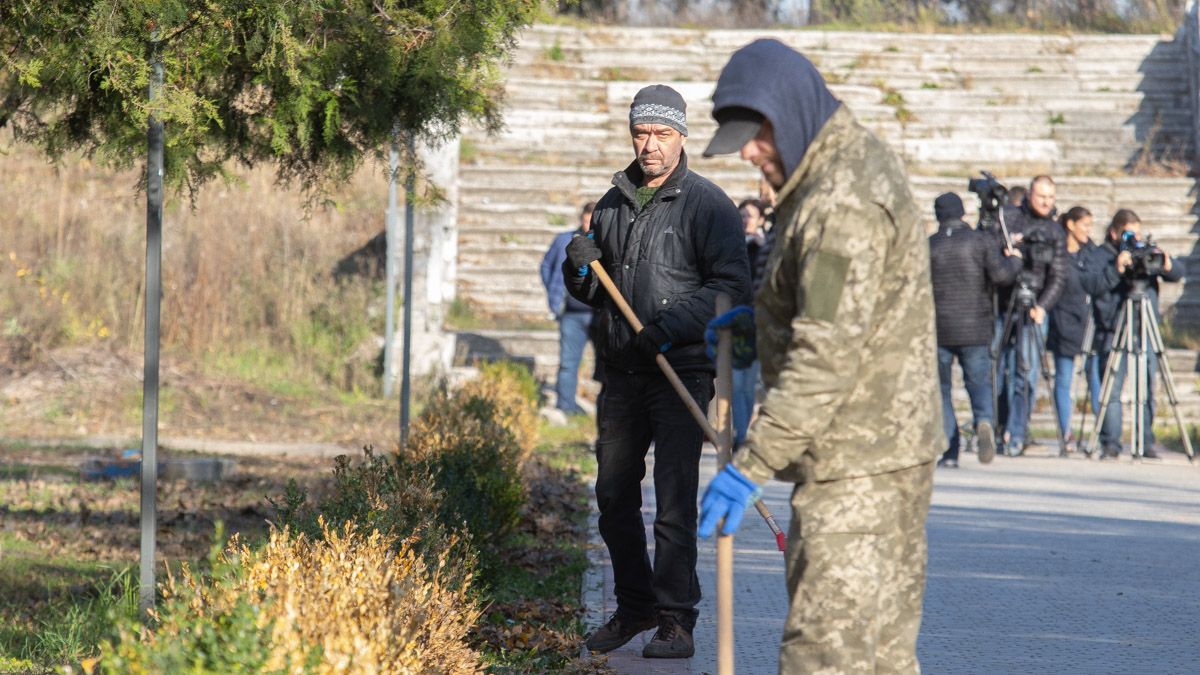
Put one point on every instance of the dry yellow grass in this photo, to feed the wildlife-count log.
(245, 265)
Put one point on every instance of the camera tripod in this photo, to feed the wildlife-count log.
(1088, 352)
(1137, 325)
(1018, 322)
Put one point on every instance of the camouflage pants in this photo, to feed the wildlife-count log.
(856, 574)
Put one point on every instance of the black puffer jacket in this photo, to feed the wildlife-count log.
(670, 260)
(1109, 289)
(1068, 319)
(1048, 277)
(965, 264)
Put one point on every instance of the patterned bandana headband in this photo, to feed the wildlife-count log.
(659, 104)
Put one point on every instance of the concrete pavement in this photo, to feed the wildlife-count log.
(1036, 565)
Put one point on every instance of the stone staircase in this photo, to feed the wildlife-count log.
(1082, 108)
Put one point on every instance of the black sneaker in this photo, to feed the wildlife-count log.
(619, 630)
(1110, 452)
(672, 641)
(1149, 453)
(987, 442)
(948, 463)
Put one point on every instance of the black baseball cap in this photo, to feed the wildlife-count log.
(737, 126)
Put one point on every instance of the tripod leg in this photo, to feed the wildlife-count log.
(1040, 344)
(1164, 367)
(1137, 434)
(1022, 386)
(1088, 351)
(1115, 355)
(1085, 377)
(997, 353)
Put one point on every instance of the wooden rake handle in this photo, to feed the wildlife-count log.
(699, 415)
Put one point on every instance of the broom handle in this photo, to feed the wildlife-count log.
(725, 660)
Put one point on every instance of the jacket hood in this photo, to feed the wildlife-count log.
(783, 86)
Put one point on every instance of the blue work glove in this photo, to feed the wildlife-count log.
(740, 321)
(727, 496)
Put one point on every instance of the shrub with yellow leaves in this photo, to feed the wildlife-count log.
(321, 597)
(346, 603)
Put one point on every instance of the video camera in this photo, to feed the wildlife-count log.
(1148, 259)
(992, 197)
(1039, 249)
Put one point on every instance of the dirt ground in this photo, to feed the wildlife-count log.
(78, 392)
(44, 502)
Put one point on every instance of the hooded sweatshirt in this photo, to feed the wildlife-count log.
(782, 85)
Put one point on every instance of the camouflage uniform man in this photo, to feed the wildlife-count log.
(845, 331)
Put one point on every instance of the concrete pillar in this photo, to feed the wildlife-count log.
(435, 254)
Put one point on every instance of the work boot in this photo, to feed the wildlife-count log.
(619, 630)
(986, 438)
(672, 641)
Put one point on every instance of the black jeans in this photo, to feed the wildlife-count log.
(637, 409)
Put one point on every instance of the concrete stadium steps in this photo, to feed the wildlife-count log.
(1079, 107)
(491, 345)
(504, 230)
(1017, 67)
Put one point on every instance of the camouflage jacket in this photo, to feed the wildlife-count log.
(845, 320)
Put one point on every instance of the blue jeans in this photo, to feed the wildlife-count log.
(1110, 428)
(572, 336)
(1064, 373)
(745, 383)
(1016, 377)
(976, 365)
(1091, 367)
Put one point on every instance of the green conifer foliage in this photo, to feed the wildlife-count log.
(311, 85)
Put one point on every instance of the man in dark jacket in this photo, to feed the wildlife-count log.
(574, 317)
(1042, 245)
(1107, 276)
(671, 241)
(964, 265)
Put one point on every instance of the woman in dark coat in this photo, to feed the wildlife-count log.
(1069, 318)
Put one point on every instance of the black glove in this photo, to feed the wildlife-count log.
(581, 251)
(651, 342)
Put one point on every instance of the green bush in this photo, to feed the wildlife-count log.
(458, 480)
(474, 462)
(202, 625)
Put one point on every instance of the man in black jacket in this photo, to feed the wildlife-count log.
(671, 241)
(1107, 277)
(965, 264)
(1042, 245)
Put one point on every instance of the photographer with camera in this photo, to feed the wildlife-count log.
(964, 265)
(1126, 264)
(1021, 326)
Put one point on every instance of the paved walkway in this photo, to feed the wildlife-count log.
(1036, 565)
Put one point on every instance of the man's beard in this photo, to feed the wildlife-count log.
(661, 170)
